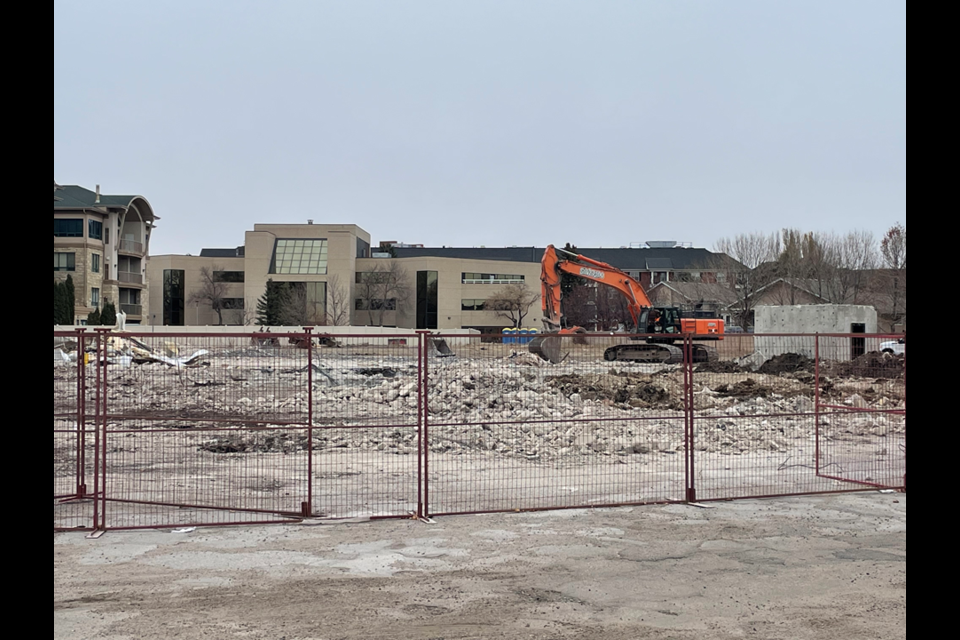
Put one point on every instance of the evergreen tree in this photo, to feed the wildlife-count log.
(271, 304)
(59, 303)
(108, 316)
(70, 301)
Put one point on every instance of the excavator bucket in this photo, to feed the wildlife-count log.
(547, 346)
(439, 347)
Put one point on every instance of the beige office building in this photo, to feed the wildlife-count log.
(339, 279)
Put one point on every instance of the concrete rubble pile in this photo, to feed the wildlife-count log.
(124, 351)
(513, 406)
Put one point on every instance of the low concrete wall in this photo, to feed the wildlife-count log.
(814, 319)
(369, 335)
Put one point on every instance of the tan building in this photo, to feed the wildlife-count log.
(444, 293)
(336, 279)
(174, 278)
(103, 242)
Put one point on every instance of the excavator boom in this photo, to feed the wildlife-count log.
(646, 318)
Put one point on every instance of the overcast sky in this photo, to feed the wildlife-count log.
(487, 123)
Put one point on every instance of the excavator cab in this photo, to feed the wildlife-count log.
(659, 320)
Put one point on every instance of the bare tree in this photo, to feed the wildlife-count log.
(754, 268)
(297, 308)
(855, 255)
(384, 288)
(247, 316)
(212, 291)
(893, 249)
(822, 260)
(338, 302)
(580, 304)
(806, 261)
(512, 302)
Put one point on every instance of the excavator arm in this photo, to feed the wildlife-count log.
(666, 322)
(556, 262)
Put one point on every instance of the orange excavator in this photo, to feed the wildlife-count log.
(664, 325)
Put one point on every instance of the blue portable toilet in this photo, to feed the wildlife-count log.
(523, 336)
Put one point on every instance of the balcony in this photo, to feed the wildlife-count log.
(131, 246)
(130, 277)
(131, 309)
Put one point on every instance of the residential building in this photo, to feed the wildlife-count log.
(103, 242)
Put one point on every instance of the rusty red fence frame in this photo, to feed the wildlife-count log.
(97, 432)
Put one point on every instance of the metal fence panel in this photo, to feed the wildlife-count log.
(754, 419)
(862, 420)
(204, 429)
(509, 431)
(73, 435)
(365, 453)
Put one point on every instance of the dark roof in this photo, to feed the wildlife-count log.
(659, 263)
(511, 254)
(72, 196)
(238, 252)
(694, 291)
(628, 259)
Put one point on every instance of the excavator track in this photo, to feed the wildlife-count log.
(654, 353)
(703, 353)
(659, 353)
(547, 346)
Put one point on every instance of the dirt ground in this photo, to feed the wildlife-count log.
(824, 567)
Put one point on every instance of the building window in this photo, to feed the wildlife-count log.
(106, 236)
(64, 262)
(427, 289)
(173, 297)
(94, 263)
(490, 278)
(94, 297)
(129, 296)
(474, 304)
(232, 303)
(228, 276)
(95, 230)
(299, 257)
(67, 227)
(376, 304)
(363, 248)
(304, 303)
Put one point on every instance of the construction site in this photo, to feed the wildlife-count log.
(154, 430)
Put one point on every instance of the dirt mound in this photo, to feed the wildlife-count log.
(622, 388)
(748, 388)
(386, 372)
(787, 363)
(721, 366)
(871, 365)
(257, 443)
